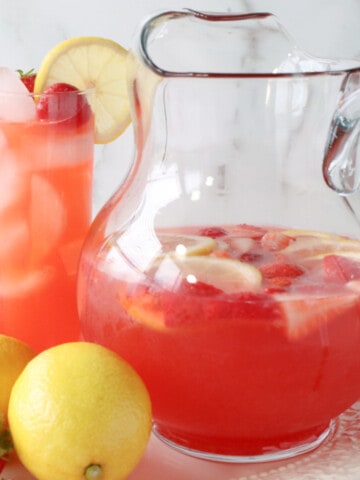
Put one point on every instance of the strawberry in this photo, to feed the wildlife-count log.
(279, 282)
(304, 315)
(274, 241)
(28, 79)
(61, 103)
(248, 231)
(339, 268)
(280, 269)
(212, 232)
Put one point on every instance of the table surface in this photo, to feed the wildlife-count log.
(338, 458)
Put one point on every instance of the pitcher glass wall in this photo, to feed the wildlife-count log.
(226, 269)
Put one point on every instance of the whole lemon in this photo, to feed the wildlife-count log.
(78, 411)
(14, 355)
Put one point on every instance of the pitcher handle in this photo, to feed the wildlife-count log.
(341, 166)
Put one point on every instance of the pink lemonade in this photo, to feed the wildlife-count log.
(246, 337)
(45, 211)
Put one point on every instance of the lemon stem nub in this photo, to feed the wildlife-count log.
(92, 472)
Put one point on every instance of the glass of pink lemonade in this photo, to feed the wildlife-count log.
(226, 269)
(46, 173)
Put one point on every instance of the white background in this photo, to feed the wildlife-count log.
(28, 29)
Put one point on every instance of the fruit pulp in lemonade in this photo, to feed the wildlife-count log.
(45, 211)
(247, 337)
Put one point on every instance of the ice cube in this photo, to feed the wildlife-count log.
(70, 254)
(16, 103)
(47, 217)
(25, 283)
(13, 183)
(14, 245)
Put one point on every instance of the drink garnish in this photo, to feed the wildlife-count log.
(95, 65)
(28, 78)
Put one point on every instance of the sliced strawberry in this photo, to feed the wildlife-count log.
(250, 257)
(243, 306)
(275, 241)
(201, 289)
(62, 102)
(280, 269)
(279, 282)
(250, 231)
(28, 79)
(212, 232)
(303, 315)
(2, 464)
(214, 309)
(339, 268)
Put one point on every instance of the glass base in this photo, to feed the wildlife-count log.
(263, 457)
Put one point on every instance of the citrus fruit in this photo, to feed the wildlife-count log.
(96, 64)
(226, 274)
(79, 412)
(311, 245)
(178, 244)
(14, 355)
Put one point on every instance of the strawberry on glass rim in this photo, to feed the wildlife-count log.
(93, 65)
(62, 102)
(28, 79)
(56, 103)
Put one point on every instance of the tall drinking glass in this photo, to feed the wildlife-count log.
(45, 210)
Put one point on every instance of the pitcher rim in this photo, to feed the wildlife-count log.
(231, 16)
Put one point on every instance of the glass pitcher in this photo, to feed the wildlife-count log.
(226, 269)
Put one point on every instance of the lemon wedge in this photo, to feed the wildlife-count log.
(96, 64)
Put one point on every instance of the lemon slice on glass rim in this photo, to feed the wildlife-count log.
(97, 64)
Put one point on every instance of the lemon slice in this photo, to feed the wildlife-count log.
(294, 232)
(311, 244)
(178, 244)
(228, 275)
(96, 64)
(351, 254)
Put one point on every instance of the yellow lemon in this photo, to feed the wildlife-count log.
(226, 274)
(181, 244)
(311, 245)
(96, 64)
(14, 355)
(79, 412)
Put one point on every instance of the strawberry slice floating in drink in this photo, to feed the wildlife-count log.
(307, 314)
(341, 268)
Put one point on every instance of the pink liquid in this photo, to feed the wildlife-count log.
(45, 212)
(243, 372)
